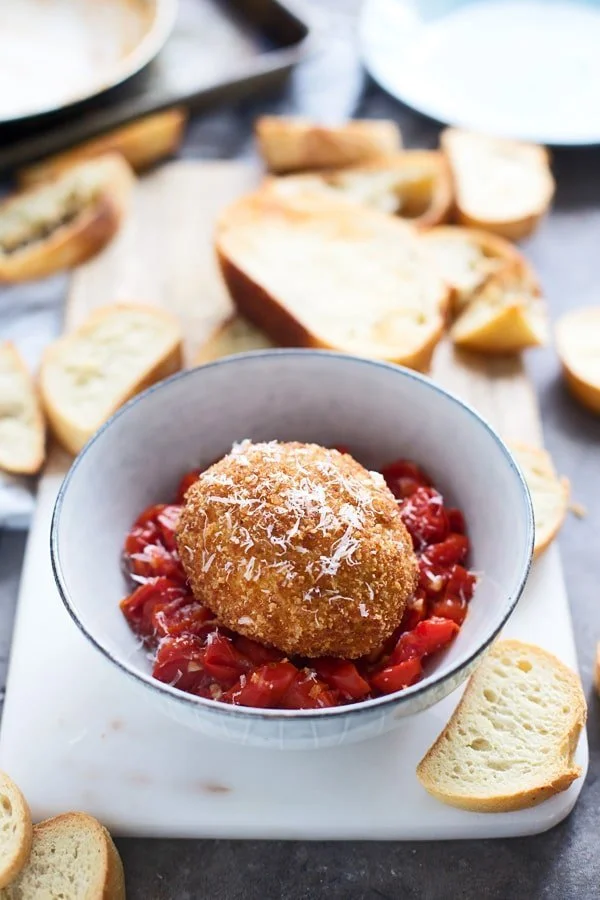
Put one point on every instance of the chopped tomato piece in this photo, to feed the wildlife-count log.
(453, 549)
(154, 561)
(343, 676)
(456, 520)
(168, 520)
(461, 583)
(186, 482)
(264, 687)
(308, 692)
(138, 608)
(425, 518)
(179, 618)
(413, 614)
(394, 678)
(404, 477)
(180, 662)
(450, 608)
(140, 536)
(223, 661)
(432, 579)
(257, 653)
(427, 637)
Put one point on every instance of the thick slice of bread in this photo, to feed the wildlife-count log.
(116, 353)
(142, 143)
(549, 493)
(72, 858)
(22, 426)
(311, 271)
(234, 335)
(501, 186)
(62, 223)
(15, 830)
(511, 741)
(293, 144)
(577, 337)
(467, 258)
(414, 184)
(504, 317)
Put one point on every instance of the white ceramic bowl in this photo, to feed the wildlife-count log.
(380, 412)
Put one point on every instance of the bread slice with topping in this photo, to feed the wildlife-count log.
(234, 335)
(467, 258)
(414, 185)
(22, 426)
(310, 271)
(72, 858)
(577, 336)
(60, 224)
(510, 743)
(501, 186)
(142, 143)
(294, 144)
(15, 830)
(117, 352)
(549, 493)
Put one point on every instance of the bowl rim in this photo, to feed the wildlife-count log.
(216, 707)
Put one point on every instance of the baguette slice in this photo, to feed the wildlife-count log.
(467, 258)
(22, 426)
(293, 144)
(87, 375)
(72, 857)
(311, 271)
(504, 317)
(61, 224)
(501, 186)
(549, 493)
(15, 830)
(510, 743)
(234, 335)
(577, 336)
(142, 143)
(414, 185)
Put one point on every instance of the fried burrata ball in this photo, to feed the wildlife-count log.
(298, 547)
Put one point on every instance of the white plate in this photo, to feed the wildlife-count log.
(55, 54)
(526, 69)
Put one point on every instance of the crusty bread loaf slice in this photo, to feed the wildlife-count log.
(142, 143)
(294, 144)
(72, 858)
(549, 493)
(22, 426)
(15, 830)
(577, 337)
(62, 223)
(88, 374)
(234, 335)
(467, 258)
(504, 317)
(501, 186)
(511, 741)
(311, 271)
(413, 184)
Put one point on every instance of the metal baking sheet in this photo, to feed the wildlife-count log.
(219, 51)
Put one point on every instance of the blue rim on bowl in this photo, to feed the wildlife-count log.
(284, 714)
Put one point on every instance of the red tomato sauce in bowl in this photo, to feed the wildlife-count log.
(196, 654)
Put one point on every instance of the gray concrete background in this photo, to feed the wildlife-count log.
(563, 863)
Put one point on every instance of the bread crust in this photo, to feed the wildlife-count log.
(142, 143)
(538, 791)
(35, 462)
(234, 335)
(85, 235)
(12, 863)
(562, 484)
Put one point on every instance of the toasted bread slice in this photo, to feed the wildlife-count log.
(311, 271)
(234, 335)
(61, 224)
(414, 184)
(577, 337)
(501, 186)
(504, 317)
(73, 858)
(22, 426)
(142, 143)
(511, 741)
(293, 144)
(467, 258)
(549, 493)
(15, 830)
(88, 374)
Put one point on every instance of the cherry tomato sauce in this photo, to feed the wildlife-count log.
(197, 655)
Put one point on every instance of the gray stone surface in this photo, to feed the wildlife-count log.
(563, 864)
